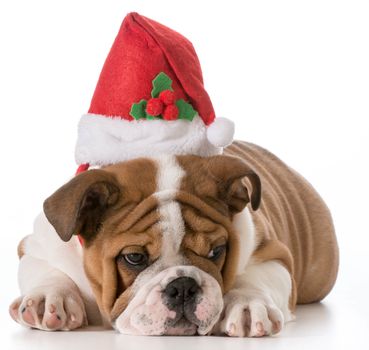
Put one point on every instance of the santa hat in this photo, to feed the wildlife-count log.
(150, 100)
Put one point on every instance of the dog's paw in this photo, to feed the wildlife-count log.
(242, 318)
(49, 309)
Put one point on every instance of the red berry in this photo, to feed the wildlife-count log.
(167, 97)
(171, 112)
(154, 107)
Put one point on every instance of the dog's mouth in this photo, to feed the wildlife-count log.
(182, 327)
(185, 321)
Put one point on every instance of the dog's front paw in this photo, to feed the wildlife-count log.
(249, 318)
(49, 309)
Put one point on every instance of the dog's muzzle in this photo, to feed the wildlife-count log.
(181, 300)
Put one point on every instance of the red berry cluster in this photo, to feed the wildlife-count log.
(163, 105)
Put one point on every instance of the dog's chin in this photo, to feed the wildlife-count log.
(182, 327)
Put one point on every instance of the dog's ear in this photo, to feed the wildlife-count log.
(237, 183)
(78, 207)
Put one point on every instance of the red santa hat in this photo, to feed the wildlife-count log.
(149, 100)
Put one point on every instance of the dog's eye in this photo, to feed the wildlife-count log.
(216, 252)
(135, 259)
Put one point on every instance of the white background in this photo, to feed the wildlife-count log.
(293, 75)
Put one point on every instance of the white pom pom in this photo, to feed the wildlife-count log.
(220, 132)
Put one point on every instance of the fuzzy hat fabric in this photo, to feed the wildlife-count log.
(149, 100)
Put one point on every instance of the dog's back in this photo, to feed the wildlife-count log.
(292, 212)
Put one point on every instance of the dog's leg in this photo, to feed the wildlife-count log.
(50, 299)
(258, 304)
(48, 274)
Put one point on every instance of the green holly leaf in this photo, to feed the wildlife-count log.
(151, 117)
(160, 83)
(186, 111)
(138, 110)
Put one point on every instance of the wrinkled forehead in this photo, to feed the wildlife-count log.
(159, 176)
(163, 196)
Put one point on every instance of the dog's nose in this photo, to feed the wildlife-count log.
(181, 290)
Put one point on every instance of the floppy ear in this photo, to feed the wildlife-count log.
(237, 183)
(78, 206)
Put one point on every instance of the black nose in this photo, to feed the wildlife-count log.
(181, 290)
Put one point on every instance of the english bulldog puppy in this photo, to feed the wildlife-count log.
(179, 245)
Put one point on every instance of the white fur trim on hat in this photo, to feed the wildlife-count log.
(107, 140)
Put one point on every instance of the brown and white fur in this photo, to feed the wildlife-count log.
(177, 211)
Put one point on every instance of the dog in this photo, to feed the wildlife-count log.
(179, 245)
